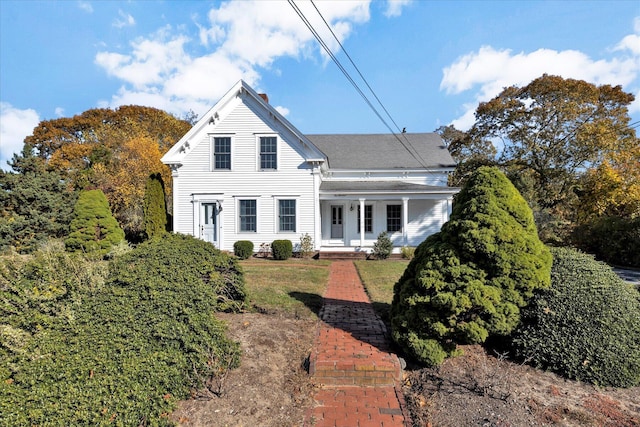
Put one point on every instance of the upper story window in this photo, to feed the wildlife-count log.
(248, 211)
(268, 152)
(368, 218)
(394, 218)
(222, 152)
(287, 215)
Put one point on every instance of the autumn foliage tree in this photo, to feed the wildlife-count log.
(113, 150)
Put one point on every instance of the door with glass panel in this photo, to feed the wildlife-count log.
(208, 223)
(337, 222)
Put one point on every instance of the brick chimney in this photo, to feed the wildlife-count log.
(265, 97)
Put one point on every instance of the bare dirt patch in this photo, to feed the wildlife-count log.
(272, 388)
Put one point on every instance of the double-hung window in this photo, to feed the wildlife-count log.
(268, 152)
(368, 218)
(287, 215)
(248, 216)
(222, 152)
(394, 218)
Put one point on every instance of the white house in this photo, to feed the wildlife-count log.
(243, 172)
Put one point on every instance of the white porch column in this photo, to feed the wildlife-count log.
(317, 218)
(361, 223)
(405, 220)
(175, 200)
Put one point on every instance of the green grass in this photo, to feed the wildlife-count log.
(293, 286)
(378, 278)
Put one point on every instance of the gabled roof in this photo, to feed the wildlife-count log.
(217, 113)
(384, 151)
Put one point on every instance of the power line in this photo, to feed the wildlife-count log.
(415, 154)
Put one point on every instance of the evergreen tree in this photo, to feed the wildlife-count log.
(94, 229)
(35, 204)
(155, 208)
(471, 279)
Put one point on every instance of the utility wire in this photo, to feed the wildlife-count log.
(317, 36)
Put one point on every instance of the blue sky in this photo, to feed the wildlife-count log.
(429, 62)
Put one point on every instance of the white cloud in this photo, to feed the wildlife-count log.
(86, 6)
(487, 71)
(282, 110)
(124, 20)
(59, 111)
(242, 39)
(15, 126)
(394, 7)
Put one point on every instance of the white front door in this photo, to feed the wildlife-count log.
(337, 222)
(208, 223)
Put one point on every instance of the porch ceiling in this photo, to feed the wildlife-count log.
(334, 188)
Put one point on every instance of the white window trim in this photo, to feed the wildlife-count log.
(373, 218)
(237, 215)
(276, 214)
(386, 217)
(212, 162)
(262, 135)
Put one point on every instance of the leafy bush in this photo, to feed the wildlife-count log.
(469, 280)
(93, 229)
(282, 249)
(154, 207)
(123, 352)
(243, 249)
(306, 246)
(408, 252)
(383, 246)
(614, 240)
(586, 326)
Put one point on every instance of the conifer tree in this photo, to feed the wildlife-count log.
(155, 208)
(470, 280)
(94, 229)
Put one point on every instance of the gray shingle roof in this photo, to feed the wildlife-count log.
(383, 151)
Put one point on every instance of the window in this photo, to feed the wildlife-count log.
(268, 152)
(248, 215)
(222, 153)
(287, 210)
(394, 218)
(368, 218)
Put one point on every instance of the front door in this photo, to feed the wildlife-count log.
(208, 229)
(337, 227)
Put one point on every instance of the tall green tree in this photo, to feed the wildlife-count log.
(155, 209)
(94, 229)
(35, 204)
(470, 280)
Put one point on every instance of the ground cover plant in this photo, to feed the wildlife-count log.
(118, 348)
(470, 279)
(586, 326)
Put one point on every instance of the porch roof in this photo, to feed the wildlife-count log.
(381, 187)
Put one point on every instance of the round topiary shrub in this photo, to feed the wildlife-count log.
(243, 249)
(586, 326)
(469, 280)
(282, 249)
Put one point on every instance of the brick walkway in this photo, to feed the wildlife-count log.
(351, 360)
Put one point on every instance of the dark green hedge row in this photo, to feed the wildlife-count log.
(614, 240)
(586, 326)
(121, 350)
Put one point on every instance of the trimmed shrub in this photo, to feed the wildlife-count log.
(125, 352)
(282, 249)
(469, 280)
(586, 326)
(93, 229)
(614, 240)
(243, 249)
(154, 207)
(383, 246)
(408, 252)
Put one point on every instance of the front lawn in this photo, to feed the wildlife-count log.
(378, 278)
(293, 286)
